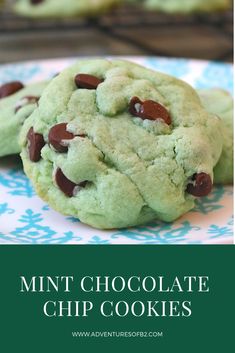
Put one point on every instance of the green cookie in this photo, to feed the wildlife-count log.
(117, 145)
(220, 102)
(15, 106)
(187, 6)
(63, 8)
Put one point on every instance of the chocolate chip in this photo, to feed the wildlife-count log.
(36, 2)
(9, 88)
(149, 109)
(35, 145)
(68, 187)
(87, 81)
(135, 105)
(25, 101)
(58, 135)
(201, 185)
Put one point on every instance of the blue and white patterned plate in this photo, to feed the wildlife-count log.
(25, 219)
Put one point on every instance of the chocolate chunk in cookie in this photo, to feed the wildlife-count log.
(25, 101)
(149, 109)
(87, 81)
(68, 187)
(201, 185)
(9, 88)
(35, 144)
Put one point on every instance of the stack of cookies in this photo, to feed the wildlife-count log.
(187, 6)
(115, 144)
(75, 8)
(64, 8)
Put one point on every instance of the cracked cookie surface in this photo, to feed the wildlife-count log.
(17, 102)
(116, 144)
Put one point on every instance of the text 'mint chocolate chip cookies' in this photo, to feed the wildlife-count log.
(117, 145)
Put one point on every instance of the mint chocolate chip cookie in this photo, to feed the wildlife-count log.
(16, 104)
(187, 6)
(63, 8)
(117, 145)
(220, 103)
